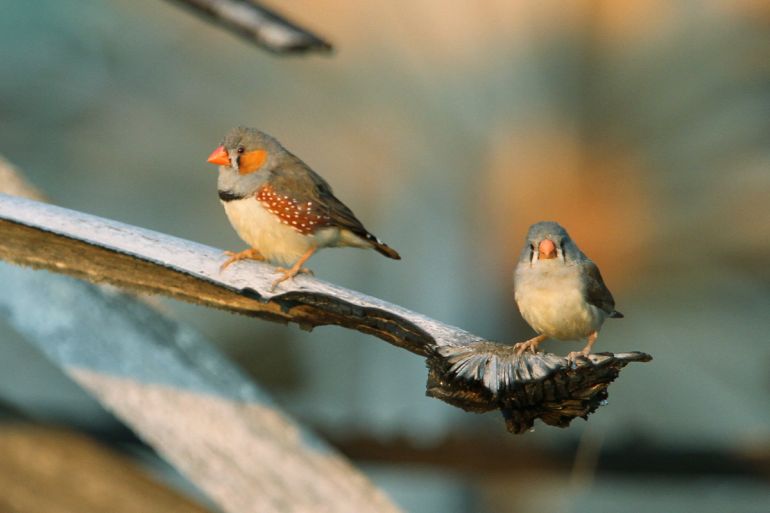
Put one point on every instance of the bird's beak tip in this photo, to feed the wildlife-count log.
(219, 157)
(546, 249)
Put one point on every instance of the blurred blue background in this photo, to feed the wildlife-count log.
(642, 126)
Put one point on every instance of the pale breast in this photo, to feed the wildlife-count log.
(551, 299)
(307, 217)
(278, 241)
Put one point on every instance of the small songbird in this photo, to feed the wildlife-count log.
(559, 291)
(280, 207)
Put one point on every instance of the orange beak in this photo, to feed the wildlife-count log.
(219, 157)
(546, 250)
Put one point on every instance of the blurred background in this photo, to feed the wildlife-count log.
(642, 126)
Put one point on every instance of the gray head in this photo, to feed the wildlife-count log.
(548, 240)
(245, 159)
(247, 150)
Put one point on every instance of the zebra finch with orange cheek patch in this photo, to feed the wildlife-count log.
(280, 207)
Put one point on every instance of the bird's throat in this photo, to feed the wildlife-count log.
(229, 196)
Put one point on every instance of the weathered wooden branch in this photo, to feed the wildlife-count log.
(182, 397)
(465, 370)
(171, 387)
(258, 24)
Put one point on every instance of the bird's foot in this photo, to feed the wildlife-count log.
(246, 254)
(574, 355)
(289, 273)
(528, 345)
(583, 353)
(522, 347)
(295, 269)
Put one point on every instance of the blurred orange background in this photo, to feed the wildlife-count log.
(448, 127)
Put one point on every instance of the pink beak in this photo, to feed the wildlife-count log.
(546, 249)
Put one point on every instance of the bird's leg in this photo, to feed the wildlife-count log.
(250, 254)
(295, 269)
(528, 345)
(586, 350)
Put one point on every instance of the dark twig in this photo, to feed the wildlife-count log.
(257, 23)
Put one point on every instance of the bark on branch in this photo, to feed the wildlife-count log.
(464, 369)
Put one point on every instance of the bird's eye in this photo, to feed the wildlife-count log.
(241, 149)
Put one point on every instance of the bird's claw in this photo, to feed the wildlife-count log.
(292, 272)
(528, 345)
(287, 274)
(574, 355)
(522, 347)
(247, 254)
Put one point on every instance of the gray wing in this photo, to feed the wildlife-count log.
(339, 213)
(303, 184)
(597, 293)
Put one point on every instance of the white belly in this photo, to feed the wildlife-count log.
(279, 243)
(553, 304)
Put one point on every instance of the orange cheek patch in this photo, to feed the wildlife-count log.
(251, 161)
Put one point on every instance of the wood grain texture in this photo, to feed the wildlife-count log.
(57, 471)
(465, 370)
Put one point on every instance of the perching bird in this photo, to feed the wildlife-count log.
(559, 291)
(280, 207)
